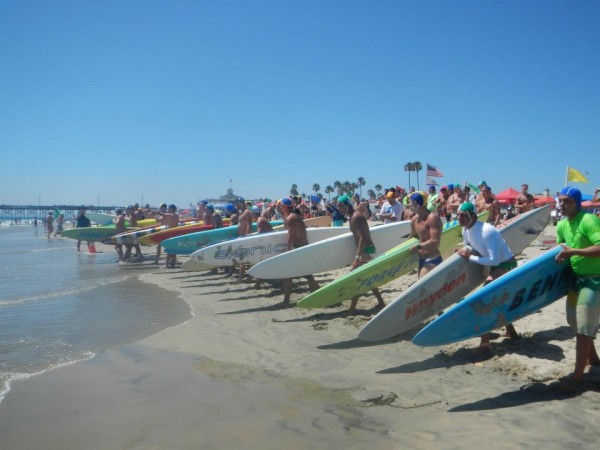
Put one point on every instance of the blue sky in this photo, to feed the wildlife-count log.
(124, 101)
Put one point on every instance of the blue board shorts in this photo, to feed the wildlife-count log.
(583, 306)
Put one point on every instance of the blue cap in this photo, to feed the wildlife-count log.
(417, 198)
(230, 207)
(574, 193)
(450, 186)
(286, 201)
(210, 206)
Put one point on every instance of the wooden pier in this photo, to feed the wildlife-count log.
(30, 212)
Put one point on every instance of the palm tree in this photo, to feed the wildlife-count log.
(294, 190)
(328, 190)
(316, 188)
(361, 183)
(371, 194)
(337, 185)
(378, 189)
(408, 167)
(417, 167)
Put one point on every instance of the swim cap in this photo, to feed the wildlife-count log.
(344, 199)
(230, 207)
(390, 195)
(286, 201)
(456, 185)
(574, 193)
(450, 186)
(444, 188)
(485, 187)
(172, 206)
(255, 209)
(467, 207)
(417, 198)
(118, 211)
(432, 188)
(210, 206)
(482, 183)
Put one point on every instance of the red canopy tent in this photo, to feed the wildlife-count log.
(507, 196)
(541, 201)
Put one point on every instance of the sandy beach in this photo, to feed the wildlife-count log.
(246, 372)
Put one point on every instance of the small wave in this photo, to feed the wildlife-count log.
(66, 292)
(6, 379)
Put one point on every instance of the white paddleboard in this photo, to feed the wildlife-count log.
(257, 247)
(330, 254)
(449, 282)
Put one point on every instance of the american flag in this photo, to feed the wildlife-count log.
(431, 182)
(433, 171)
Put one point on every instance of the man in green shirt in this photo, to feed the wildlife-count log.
(579, 235)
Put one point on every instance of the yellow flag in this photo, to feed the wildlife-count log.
(575, 175)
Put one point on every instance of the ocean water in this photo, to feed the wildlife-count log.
(58, 306)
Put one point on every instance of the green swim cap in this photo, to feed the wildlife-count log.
(344, 199)
(467, 207)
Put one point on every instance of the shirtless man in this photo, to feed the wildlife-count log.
(455, 200)
(171, 220)
(160, 220)
(488, 202)
(244, 229)
(524, 200)
(263, 221)
(427, 226)
(132, 217)
(119, 222)
(362, 237)
(296, 238)
(212, 218)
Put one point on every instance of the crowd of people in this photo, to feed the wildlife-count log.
(578, 234)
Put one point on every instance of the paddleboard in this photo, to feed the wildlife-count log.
(449, 282)
(381, 270)
(131, 237)
(168, 233)
(329, 254)
(257, 247)
(520, 292)
(100, 218)
(189, 243)
(103, 219)
(94, 234)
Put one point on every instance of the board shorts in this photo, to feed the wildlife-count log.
(337, 223)
(506, 265)
(369, 250)
(583, 305)
(434, 261)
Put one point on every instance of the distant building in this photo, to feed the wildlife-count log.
(230, 197)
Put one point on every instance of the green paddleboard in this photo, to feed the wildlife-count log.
(388, 266)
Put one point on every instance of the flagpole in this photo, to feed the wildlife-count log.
(566, 176)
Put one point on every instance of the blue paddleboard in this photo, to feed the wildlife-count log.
(518, 293)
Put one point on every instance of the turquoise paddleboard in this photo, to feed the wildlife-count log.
(189, 243)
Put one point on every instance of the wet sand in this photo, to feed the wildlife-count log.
(247, 372)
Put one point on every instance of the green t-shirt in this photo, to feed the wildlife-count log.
(581, 232)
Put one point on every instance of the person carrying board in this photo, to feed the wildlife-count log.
(579, 236)
(492, 250)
